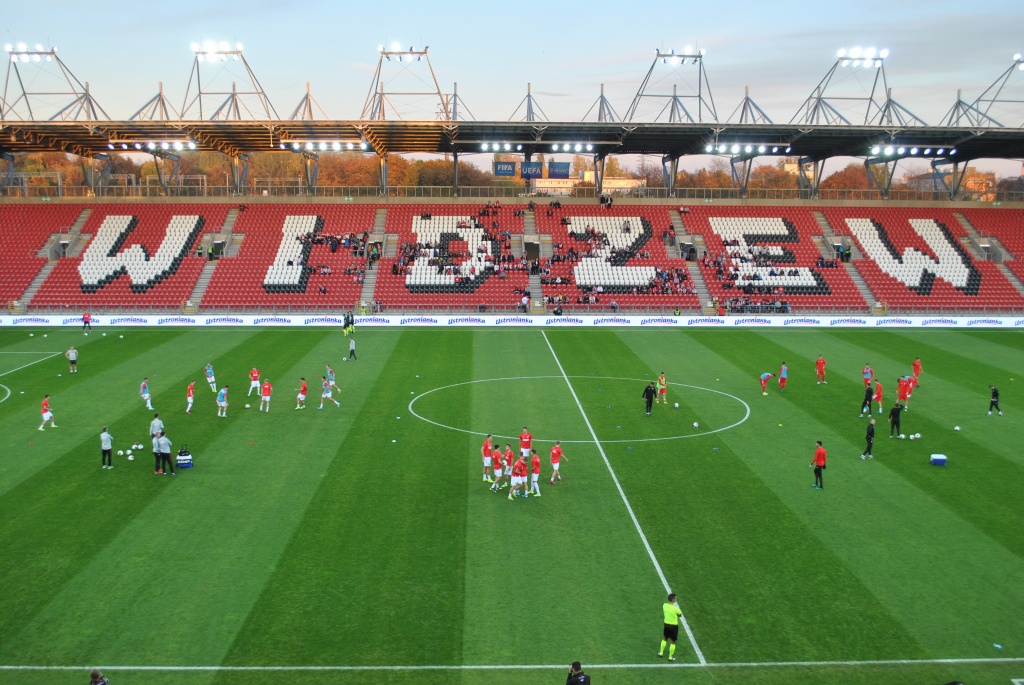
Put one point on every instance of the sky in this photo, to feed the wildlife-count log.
(565, 49)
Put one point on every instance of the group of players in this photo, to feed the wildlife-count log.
(503, 469)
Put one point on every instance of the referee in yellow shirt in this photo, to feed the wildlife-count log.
(671, 633)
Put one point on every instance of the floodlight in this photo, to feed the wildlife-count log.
(362, 145)
(49, 58)
(841, 53)
(1021, 66)
(554, 148)
(8, 48)
(309, 145)
(150, 145)
(110, 146)
(868, 64)
(845, 63)
(1016, 58)
(238, 46)
(878, 64)
(484, 147)
(349, 146)
(507, 147)
(224, 45)
(165, 145)
(590, 147)
(761, 148)
(200, 57)
(22, 47)
(178, 146)
(296, 146)
(137, 146)
(888, 150)
(191, 145)
(735, 149)
(194, 47)
(709, 148)
(380, 48)
(869, 53)
(953, 151)
(14, 58)
(941, 151)
(578, 147)
(323, 147)
(901, 150)
(702, 52)
(913, 150)
(775, 149)
(721, 148)
(788, 149)
(674, 61)
(875, 150)
(688, 50)
(855, 52)
(336, 146)
(519, 147)
(234, 58)
(565, 148)
(748, 149)
(395, 47)
(280, 145)
(883, 53)
(927, 150)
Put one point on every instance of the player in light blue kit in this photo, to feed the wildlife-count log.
(209, 376)
(222, 402)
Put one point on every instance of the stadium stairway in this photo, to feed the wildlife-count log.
(826, 227)
(529, 234)
(699, 285)
(369, 283)
(535, 286)
(229, 222)
(37, 282)
(677, 225)
(390, 245)
(858, 280)
(978, 239)
(204, 280)
(1011, 277)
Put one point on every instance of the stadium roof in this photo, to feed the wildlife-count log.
(89, 138)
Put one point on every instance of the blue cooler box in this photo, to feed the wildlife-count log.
(184, 459)
(938, 460)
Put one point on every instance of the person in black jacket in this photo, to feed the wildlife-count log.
(994, 402)
(894, 419)
(576, 675)
(649, 393)
(865, 406)
(870, 438)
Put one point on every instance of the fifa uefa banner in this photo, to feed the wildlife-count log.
(532, 169)
(558, 169)
(504, 168)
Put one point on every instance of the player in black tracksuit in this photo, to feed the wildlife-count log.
(865, 406)
(649, 394)
(994, 402)
(894, 419)
(870, 438)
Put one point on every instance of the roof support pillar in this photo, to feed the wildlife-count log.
(384, 174)
(310, 171)
(669, 171)
(239, 173)
(599, 173)
(455, 173)
(939, 181)
(96, 173)
(808, 182)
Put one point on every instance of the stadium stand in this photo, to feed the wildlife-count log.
(24, 230)
(766, 258)
(137, 256)
(1007, 226)
(915, 260)
(603, 255)
(452, 256)
(297, 256)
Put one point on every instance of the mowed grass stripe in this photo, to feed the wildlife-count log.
(381, 545)
(562, 574)
(743, 592)
(163, 561)
(913, 521)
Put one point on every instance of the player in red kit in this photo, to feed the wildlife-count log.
(917, 369)
(534, 473)
(47, 414)
(496, 466)
(878, 396)
(254, 381)
(867, 374)
(510, 459)
(300, 399)
(819, 367)
(902, 390)
(86, 321)
(525, 442)
(518, 477)
(486, 450)
(265, 391)
(190, 396)
(556, 460)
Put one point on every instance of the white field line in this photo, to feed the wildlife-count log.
(622, 494)
(534, 667)
(5, 373)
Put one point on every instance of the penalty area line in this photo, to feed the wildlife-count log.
(622, 494)
(25, 366)
(534, 667)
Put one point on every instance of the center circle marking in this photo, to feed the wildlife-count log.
(413, 401)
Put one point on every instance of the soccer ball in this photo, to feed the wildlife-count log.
(676, 405)
(31, 335)
(912, 436)
(129, 452)
(121, 336)
(956, 428)
(248, 406)
(344, 359)
(46, 335)
(104, 335)
(696, 425)
(120, 453)
(917, 435)
(131, 458)
(902, 436)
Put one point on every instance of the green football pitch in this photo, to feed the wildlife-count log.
(360, 544)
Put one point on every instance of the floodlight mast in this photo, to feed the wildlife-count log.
(232, 107)
(83, 107)
(377, 103)
(157, 108)
(678, 113)
(820, 108)
(993, 95)
(304, 111)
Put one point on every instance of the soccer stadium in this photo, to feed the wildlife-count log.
(543, 408)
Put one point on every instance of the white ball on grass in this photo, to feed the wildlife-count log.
(956, 428)
(912, 436)
(131, 458)
(120, 453)
(676, 405)
(104, 335)
(128, 451)
(46, 335)
(696, 425)
(31, 335)
(121, 336)
(917, 435)
(902, 436)
(248, 406)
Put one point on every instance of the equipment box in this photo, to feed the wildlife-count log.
(938, 460)
(184, 459)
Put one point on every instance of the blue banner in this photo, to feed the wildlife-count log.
(532, 169)
(504, 168)
(558, 169)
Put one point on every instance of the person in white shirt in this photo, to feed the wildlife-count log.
(107, 445)
(156, 426)
(72, 355)
(165, 454)
(156, 455)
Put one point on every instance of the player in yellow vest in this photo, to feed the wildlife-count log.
(662, 388)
